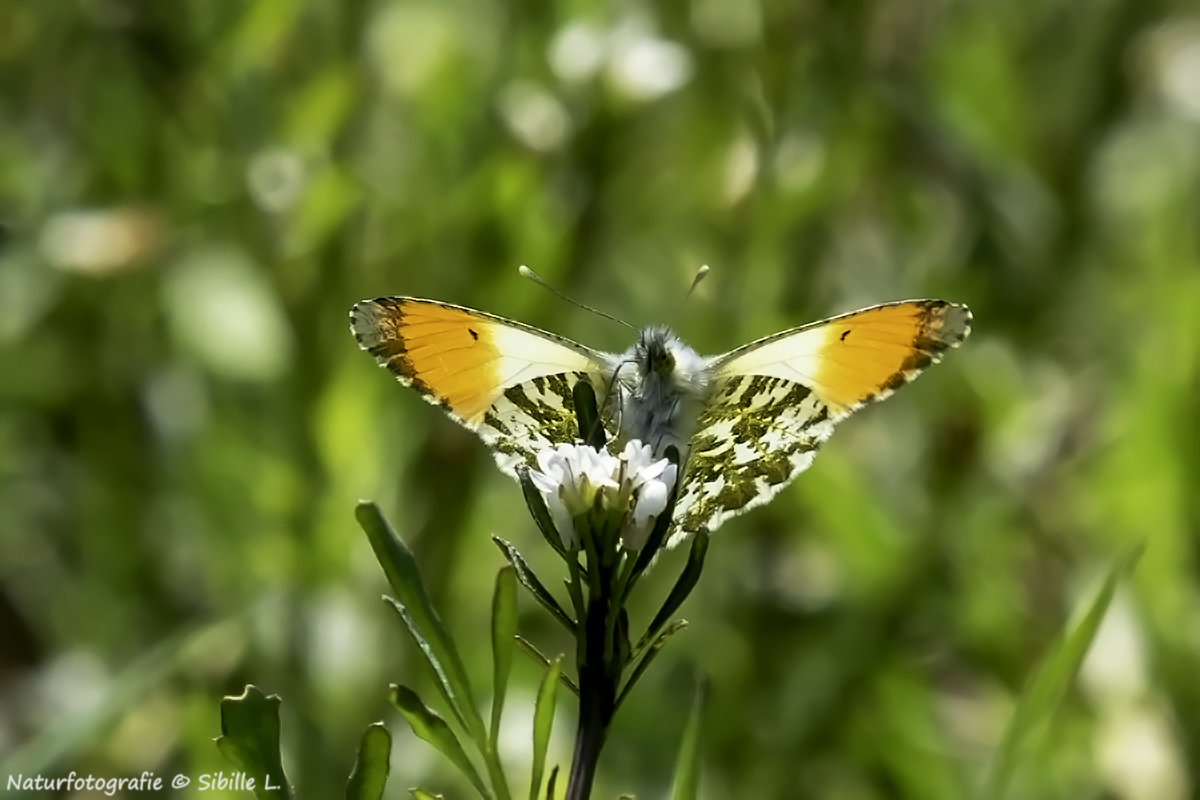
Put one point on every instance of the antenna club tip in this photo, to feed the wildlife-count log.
(525, 271)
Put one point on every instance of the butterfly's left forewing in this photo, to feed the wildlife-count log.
(510, 383)
(775, 400)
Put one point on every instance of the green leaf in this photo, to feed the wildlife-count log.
(421, 794)
(586, 412)
(682, 588)
(370, 772)
(504, 631)
(543, 721)
(541, 514)
(687, 768)
(531, 650)
(1043, 692)
(530, 581)
(442, 683)
(405, 578)
(551, 783)
(426, 724)
(672, 629)
(250, 739)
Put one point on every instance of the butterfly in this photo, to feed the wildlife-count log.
(746, 423)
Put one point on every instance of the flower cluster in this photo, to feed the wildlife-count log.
(576, 480)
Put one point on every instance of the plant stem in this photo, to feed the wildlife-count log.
(597, 700)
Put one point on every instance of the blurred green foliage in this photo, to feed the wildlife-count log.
(193, 193)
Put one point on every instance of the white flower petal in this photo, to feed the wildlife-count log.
(562, 521)
(669, 474)
(651, 501)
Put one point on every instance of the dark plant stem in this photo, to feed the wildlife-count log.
(598, 679)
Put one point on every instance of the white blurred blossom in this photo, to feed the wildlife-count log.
(534, 116)
(638, 64)
(101, 241)
(645, 67)
(577, 52)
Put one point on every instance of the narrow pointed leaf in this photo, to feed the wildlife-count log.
(442, 682)
(372, 765)
(682, 588)
(543, 721)
(426, 724)
(504, 631)
(405, 578)
(651, 654)
(551, 783)
(536, 587)
(541, 514)
(587, 414)
(1050, 682)
(687, 767)
(531, 650)
(250, 739)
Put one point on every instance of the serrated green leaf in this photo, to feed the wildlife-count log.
(250, 739)
(1050, 682)
(504, 631)
(371, 767)
(687, 768)
(405, 579)
(426, 724)
(543, 721)
(680, 591)
(536, 588)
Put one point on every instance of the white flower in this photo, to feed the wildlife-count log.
(650, 484)
(570, 476)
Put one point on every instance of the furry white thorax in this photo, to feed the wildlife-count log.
(662, 386)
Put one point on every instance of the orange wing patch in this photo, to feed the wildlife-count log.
(446, 353)
(870, 353)
(858, 357)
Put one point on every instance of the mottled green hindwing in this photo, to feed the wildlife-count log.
(754, 436)
(531, 416)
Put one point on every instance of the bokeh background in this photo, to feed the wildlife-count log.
(192, 195)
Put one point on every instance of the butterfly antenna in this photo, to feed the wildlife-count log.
(526, 272)
(701, 274)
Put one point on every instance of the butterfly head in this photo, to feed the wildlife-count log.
(661, 359)
(653, 352)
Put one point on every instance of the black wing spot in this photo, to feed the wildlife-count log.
(845, 333)
(475, 335)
